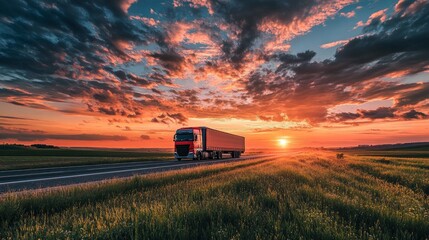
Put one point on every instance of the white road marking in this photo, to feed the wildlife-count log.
(90, 174)
(88, 169)
(126, 170)
(31, 174)
(75, 166)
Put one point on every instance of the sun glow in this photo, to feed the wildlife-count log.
(283, 142)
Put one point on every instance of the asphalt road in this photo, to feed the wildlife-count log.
(18, 180)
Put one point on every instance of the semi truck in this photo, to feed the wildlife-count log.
(206, 143)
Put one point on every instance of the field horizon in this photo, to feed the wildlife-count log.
(362, 145)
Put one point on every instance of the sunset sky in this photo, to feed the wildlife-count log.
(128, 73)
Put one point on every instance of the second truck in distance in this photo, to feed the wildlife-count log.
(203, 142)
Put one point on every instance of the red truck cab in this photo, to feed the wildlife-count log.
(188, 142)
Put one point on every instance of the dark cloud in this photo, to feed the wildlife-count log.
(145, 137)
(108, 111)
(345, 116)
(160, 78)
(256, 85)
(172, 61)
(410, 98)
(245, 17)
(139, 81)
(413, 114)
(120, 74)
(290, 59)
(397, 44)
(305, 89)
(186, 97)
(6, 92)
(133, 79)
(379, 113)
(103, 97)
(61, 51)
(156, 91)
(403, 5)
(169, 118)
(16, 118)
(46, 37)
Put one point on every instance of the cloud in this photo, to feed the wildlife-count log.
(68, 51)
(15, 118)
(145, 137)
(279, 117)
(413, 114)
(170, 60)
(67, 33)
(379, 113)
(211, 58)
(334, 44)
(6, 92)
(374, 19)
(306, 89)
(345, 116)
(348, 14)
(406, 7)
(146, 20)
(419, 94)
(247, 21)
(168, 118)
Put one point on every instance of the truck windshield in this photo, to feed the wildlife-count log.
(184, 137)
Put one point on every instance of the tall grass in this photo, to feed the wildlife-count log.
(305, 196)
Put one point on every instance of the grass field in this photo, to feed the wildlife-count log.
(32, 158)
(301, 196)
(391, 153)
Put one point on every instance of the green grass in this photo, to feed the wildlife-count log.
(303, 196)
(34, 158)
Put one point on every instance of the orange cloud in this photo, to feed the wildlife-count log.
(334, 44)
(377, 16)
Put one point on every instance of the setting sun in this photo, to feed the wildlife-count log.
(283, 142)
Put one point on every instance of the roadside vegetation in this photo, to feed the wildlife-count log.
(35, 158)
(309, 195)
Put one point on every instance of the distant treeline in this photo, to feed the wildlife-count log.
(7, 146)
(412, 145)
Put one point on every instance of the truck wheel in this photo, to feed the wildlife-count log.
(199, 156)
(178, 159)
(217, 155)
(213, 156)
